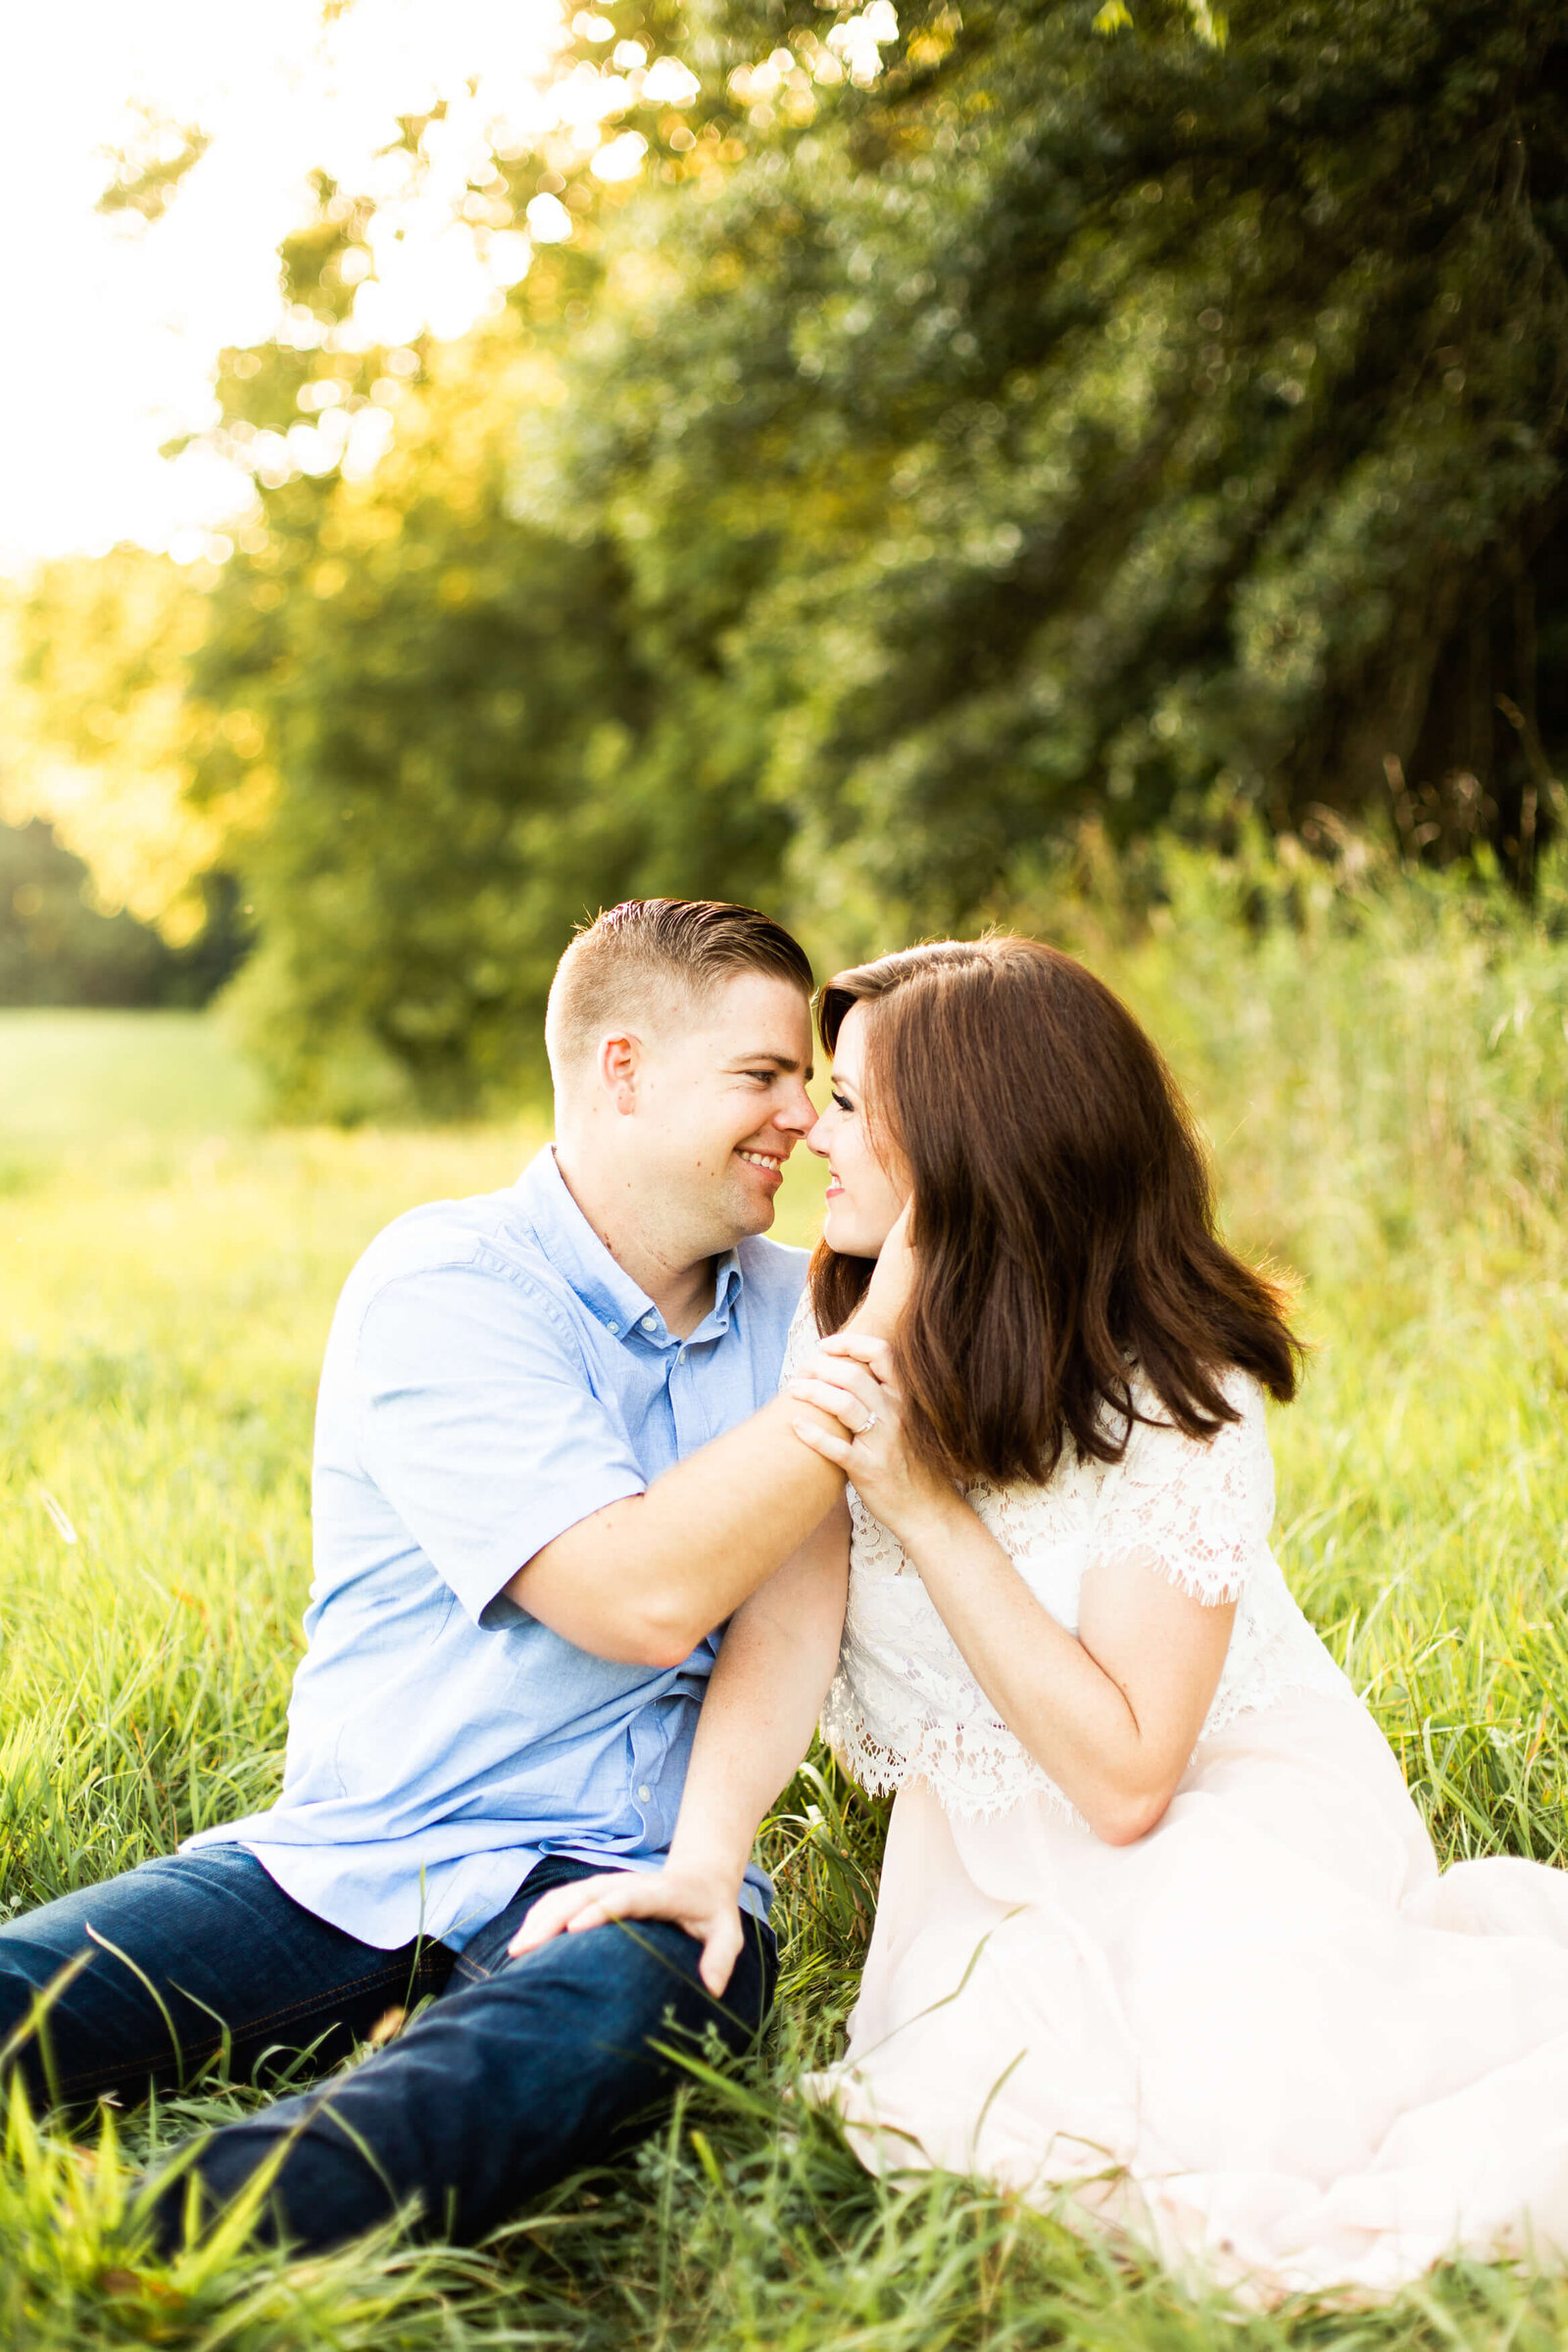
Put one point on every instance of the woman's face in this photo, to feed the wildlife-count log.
(863, 1198)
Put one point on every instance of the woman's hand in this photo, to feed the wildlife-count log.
(850, 1377)
(891, 1280)
(705, 1902)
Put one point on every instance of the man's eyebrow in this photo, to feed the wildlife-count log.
(780, 1062)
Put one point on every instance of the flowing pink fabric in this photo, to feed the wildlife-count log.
(1269, 2039)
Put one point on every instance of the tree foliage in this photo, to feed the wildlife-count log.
(445, 698)
(58, 947)
(967, 426)
(1092, 422)
(100, 699)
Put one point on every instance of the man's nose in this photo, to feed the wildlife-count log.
(797, 1115)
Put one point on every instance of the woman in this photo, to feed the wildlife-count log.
(1159, 1924)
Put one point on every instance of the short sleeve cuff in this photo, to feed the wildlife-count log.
(480, 1585)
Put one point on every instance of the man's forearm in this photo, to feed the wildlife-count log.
(644, 1580)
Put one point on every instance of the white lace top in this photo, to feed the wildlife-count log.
(904, 1706)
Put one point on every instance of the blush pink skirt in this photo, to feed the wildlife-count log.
(1269, 2042)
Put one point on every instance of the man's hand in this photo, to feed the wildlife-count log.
(703, 1901)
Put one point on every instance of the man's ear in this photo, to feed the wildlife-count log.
(619, 1065)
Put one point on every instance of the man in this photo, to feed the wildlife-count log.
(533, 1503)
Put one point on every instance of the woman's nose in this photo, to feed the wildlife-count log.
(817, 1141)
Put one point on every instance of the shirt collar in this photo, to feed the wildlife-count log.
(605, 1286)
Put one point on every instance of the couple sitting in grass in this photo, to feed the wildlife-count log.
(986, 1488)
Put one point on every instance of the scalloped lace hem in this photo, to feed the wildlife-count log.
(1210, 1587)
(986, 1783)
(954, 1782)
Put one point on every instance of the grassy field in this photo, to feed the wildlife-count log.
(1384, 1081)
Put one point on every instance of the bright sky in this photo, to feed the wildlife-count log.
(111, 327)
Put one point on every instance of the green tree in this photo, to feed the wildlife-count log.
(1067, 424)
(103, 736)
(57, 948)
(966, 425)
(445, 702)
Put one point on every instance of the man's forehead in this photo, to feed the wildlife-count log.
(756, 1017)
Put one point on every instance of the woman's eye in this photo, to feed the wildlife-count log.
(839, 1102)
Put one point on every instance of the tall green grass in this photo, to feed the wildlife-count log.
(1381, 1066)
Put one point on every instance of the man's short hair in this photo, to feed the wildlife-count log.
(622, 964)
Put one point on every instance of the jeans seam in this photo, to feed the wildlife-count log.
(202, 2050)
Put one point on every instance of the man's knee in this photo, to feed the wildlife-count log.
(671, 1957)
(495, 2092)
(631, 1991)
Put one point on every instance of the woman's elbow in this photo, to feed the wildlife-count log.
(1124, 1816)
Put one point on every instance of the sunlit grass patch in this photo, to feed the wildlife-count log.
(73, 1078)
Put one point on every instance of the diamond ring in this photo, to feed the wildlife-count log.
(866, 1426)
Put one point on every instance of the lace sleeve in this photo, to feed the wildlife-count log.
(802, 1338)
(1202, 1509)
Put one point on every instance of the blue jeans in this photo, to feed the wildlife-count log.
(518, 2073)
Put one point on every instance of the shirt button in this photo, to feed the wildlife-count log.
(644, 1794)
(681, 1358)
(614, 1330)
(649, 1321)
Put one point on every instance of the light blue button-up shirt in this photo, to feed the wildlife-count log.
(492, 1377)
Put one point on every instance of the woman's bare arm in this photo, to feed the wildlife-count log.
(1111, 1713)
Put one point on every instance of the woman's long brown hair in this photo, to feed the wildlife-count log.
(1063, 1221)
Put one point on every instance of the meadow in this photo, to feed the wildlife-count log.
(1381, 1068)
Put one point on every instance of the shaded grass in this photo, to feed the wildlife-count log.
(1385, 1087)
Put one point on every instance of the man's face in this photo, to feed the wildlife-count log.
(721, 1103)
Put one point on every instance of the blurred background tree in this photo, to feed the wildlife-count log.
(100, 690)
(446, 697)
(908, 437)
(57, 948)
(1105, 421)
